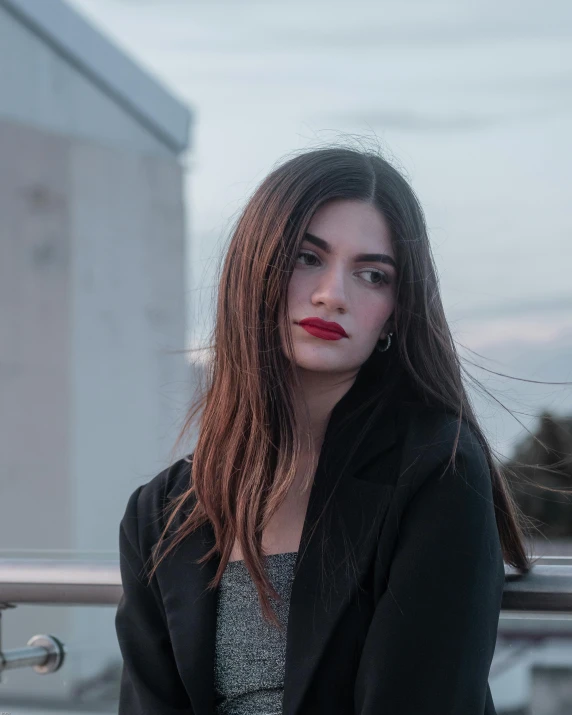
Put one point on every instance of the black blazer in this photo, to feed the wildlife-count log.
(399, 618)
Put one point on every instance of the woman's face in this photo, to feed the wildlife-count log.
(332, 281)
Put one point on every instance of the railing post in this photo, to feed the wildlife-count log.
(3, 607)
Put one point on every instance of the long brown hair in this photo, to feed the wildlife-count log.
(248, 405)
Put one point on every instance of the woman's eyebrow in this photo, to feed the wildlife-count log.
(360, 257)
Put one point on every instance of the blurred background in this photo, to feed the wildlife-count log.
(131, 134)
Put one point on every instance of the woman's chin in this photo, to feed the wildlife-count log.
(318, 362)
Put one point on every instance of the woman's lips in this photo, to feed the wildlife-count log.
(322, 332)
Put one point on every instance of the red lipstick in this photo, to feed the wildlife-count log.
(323, 328)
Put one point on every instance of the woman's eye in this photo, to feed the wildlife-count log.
(382, 278)
(307, 254)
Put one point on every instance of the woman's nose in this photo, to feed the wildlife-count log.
(331, 290)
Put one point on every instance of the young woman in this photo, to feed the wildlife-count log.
(335, 542)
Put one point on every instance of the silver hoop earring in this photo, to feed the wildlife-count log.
(386, 346)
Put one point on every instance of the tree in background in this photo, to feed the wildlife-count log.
(542, 462)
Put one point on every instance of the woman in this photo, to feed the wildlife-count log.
(335, 541)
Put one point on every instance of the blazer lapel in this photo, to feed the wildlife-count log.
(191, 616)
(333, 560)
(325, 579)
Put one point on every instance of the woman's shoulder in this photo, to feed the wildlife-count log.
(439, 449)
(430, 434)
(436, 427)
(146, 504)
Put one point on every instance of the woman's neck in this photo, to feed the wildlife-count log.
(320, 392)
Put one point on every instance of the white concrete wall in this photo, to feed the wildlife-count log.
(92, 308)
(127, 278)
(40, 88)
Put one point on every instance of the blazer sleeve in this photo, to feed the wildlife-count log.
(432, 637)
(150, 682)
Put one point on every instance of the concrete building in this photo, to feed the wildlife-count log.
(92, 296)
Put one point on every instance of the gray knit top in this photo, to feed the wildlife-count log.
(249, 652)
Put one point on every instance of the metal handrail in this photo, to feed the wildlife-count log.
(546, 588)
(49, 582)
(54, 581)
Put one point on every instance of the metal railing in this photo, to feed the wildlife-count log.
(546, 590)
(52, 582)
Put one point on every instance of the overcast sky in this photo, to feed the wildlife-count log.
(473, 101)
